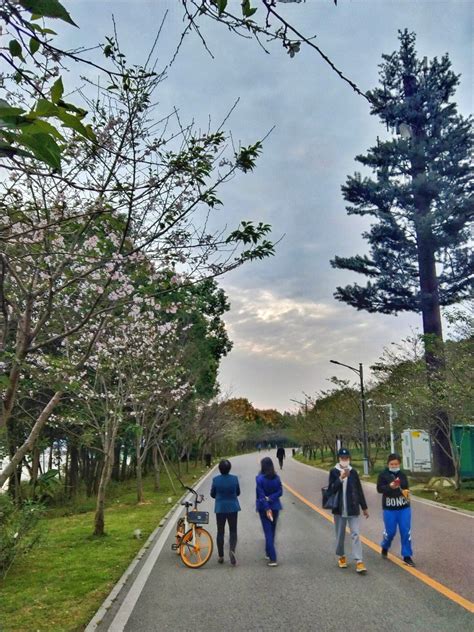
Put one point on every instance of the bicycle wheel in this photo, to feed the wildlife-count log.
(197, 554)
(179, 533)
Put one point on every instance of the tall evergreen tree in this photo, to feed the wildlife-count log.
(421, 198)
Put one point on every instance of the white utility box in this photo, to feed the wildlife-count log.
(416, 451)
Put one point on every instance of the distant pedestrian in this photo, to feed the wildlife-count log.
(392, 483)
(280, 456)
(269, 491)
(225, 489)
(259, 447)
(344, 480)
(208, 459)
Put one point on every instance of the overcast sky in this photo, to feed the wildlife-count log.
(284, 321)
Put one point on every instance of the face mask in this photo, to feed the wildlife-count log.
(394, 470)
(344, 463)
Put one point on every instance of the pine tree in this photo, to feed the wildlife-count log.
(421, 199)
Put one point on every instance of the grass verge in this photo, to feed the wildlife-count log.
(60, 584)
(462, 499)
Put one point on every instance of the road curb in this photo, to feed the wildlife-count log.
(149, 545)
(414, 497)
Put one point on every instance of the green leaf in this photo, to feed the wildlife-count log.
(7, 111)
(12, 122)
(221, 6)
(4, 380)
(37, 126)
(72, 108)
(45, 108)
(44, 148)
(247, 10)
(37, 27)
(71, 121)
(91, 134)
(47, 9)
(34, 45)
(15, 49)
(47, 476)
(7, 150)
(57, 90)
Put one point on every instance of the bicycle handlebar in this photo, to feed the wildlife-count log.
(199, 497)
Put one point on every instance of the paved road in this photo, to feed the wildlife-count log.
(443, 539)
(306, 591)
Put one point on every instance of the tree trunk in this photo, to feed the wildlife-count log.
(50, 456)
(139, 468)
(156, 468)
(34, 469)
(123, 470)
(429, 296)
(66, 470)
(73, 471)
(99, 519)
(32, 438)
(116, 467)
(58, 459)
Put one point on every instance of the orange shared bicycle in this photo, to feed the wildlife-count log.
(193, 543)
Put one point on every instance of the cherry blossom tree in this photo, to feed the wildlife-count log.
(70, 241)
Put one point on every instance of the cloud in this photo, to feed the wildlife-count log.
(282, 345)
(266, 324)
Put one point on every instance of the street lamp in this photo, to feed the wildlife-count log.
(390, 421)
(360, 373)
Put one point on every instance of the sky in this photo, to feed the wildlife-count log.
(284, 322)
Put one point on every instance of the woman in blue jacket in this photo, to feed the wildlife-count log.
(225, 489)
(269, 490)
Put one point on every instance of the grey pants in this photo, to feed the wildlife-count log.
(340, 524)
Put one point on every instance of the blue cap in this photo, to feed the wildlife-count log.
(343, 452)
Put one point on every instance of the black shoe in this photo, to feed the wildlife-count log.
(408, 561)
(220, 560)
(233, 559)
(384, 552)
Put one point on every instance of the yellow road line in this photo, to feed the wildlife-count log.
(444, 590)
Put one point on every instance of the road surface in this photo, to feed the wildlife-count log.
(307, 591)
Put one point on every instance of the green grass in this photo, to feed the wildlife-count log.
(462, 499)
(59, 585)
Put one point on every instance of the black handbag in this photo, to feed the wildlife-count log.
(330, 498)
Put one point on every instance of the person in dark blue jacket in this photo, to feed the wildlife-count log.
(225, 489)
(269, 491)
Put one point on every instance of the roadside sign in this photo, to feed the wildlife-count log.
(416, 451)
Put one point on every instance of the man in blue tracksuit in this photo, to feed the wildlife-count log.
(392, 483)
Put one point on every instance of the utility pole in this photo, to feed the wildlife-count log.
(364, 420)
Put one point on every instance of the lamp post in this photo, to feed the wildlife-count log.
(360, 373)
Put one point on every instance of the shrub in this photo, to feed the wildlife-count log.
(18, 533)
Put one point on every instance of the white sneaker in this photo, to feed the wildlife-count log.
(272, 564)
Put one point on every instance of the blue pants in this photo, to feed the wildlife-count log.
(401, 518)
(269, 531)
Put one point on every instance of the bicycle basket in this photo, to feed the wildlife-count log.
(201, 517)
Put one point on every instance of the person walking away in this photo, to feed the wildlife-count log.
(392, 483)
(269, 491)
(225, 489)
(344, 479)
(280, 456)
